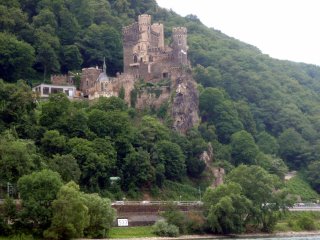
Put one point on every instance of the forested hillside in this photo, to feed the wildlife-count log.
(274, 102)
(254, 110)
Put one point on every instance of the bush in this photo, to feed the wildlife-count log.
(163, 229)
(307, 223)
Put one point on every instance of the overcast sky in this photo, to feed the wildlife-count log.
(283, 29)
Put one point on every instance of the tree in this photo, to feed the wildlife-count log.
(17, 106)
(113, 124)
(47, 47)
(227, 209)
(69, 28)
(267, 143)
(66, 166)
(96, 160)
(16, 58)
(267, 199)
(216, 108)
(37, 192)
(244, 150)
(137, 169)
(70, 214)
(293, 148)
(100, 41)
(170, 155)
(150, 132)
(101, 216)
(313, 175)
(71, 58)
(17, 158)
(110, 104)
(272, 164)
(53, 143)
(55, 112)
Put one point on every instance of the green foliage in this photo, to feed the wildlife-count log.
(175, 217)
(293, 148)
(300, 221)
(216, 107)
(66, 166)
(17, 158)
(70, 214)
(297, 186)
(170, 154)
(272, 164)
(137, 169)
(52, 143)
(37, 192)
(267, 143)
(174, 191)
(227, 209)
(313, 175)
(122, 93)
(243, 148)
(17, 107)
(16, 57)
(102, 215)
(163, 229)
(267, 199)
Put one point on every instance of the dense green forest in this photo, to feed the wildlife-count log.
(261, 115)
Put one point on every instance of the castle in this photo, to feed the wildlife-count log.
(145, 54)
(147, 59)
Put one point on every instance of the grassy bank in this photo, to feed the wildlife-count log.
(130, 232)
(299, 221)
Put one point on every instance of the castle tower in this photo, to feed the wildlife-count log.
(144, 22)
(179, 45)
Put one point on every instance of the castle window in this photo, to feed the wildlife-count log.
(135, 59)
(179, 42)
(150, 58)
(165, 75)
(87, 83)
(102, 87)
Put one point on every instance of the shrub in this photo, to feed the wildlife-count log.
(163, 229)
(306, 223)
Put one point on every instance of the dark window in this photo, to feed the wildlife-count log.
(46, 90)
(56, 90)
(135, 59)
(150, 58)
(165, 75)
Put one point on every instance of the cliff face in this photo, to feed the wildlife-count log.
(182, 96)
(185, 104)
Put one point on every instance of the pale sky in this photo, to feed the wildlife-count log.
(283, 29)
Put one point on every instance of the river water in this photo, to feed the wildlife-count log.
(276, 238)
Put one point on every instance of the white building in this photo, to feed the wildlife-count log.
(44, 90)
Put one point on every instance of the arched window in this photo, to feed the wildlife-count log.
(135, 59)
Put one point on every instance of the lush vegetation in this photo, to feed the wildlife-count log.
(299, 221)
(260, 116)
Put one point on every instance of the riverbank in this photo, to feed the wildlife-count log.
(211, 236)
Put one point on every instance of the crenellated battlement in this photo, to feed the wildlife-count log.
(179, 31)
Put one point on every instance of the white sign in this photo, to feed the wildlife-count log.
(123, 222)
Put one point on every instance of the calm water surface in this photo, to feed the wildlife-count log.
(277, 238)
